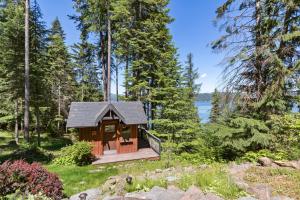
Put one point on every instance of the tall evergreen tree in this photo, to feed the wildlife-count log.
(215, 110)
(87, 74)
(26, 74)
(85, 54)
(11, 62)
(61, 76)
(190, 76)
(262, 41)
(38, 62)
(96, 15)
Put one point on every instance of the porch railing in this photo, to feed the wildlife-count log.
(154, 142)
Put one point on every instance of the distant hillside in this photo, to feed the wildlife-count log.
(204, 97)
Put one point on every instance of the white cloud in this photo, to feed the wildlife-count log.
(203, 75)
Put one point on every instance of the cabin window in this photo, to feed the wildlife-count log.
(110, 128)
(125, 133)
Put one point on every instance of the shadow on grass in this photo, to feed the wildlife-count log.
(9, 150)
(30, 154)
(55, 144)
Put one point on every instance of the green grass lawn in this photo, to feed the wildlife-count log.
(76, 179)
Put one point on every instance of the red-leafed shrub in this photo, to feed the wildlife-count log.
(33, 178)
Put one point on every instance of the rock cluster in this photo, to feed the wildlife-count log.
(171, 193)
(267, 162)
(91, 194)
(114, 187)
(259, 191)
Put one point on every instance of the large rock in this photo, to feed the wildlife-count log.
(115, 185)
(157, 193)
(114, 198)
(91, 194)
(193, 193)
(281, 198)
(211, 196)
(261, 191)
(290, 164)
(265, 161)
(247, 198)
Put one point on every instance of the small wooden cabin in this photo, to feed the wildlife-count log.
(112, 127)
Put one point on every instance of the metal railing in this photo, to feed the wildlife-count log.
(154, 142)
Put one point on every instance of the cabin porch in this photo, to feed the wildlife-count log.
(113, 157)
(149, 148)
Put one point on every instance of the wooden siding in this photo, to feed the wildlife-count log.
(93, 136)
(130, 146)
(96, 137)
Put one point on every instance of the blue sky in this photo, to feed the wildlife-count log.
(192, 31)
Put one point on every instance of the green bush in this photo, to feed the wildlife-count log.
(79, 153)
(194, 152)
(254, 156)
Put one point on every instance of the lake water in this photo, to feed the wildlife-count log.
(205, 106)
(203, 110)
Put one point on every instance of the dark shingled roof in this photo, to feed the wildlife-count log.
(88, 114)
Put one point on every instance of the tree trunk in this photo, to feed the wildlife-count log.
(108, 56)
(59, 108)
(102, 46)
(37, 128)
(26, 106)
(258, 46)
(21, 121)
(16, 122)
(117, 82)
(126, 76)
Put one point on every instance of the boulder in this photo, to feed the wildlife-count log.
(136, 196)
(261, 191)
(211, 196)
(115, 185)
(290, 164)
(281, 198)
(193, 193)
(265, 161)
(175, 189)
(114, 198)
(247, 198)
(91, 194)
(157, 193)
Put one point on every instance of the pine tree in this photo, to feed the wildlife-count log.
(26, 74)
(215, 110)
(11, 62)
(190, 76)
(89, 86)
(96, 15)
(61, 75)
(262, 62)
(40, 87)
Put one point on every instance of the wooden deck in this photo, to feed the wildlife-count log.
(112, 157)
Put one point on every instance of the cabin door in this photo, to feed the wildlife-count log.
(109, 137)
